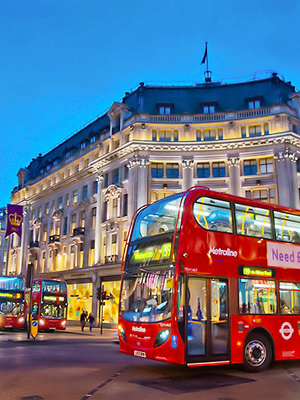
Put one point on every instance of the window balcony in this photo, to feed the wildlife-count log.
(34, 244)
(111, 259)
(54, 239)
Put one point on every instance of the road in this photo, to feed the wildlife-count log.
(62, 366)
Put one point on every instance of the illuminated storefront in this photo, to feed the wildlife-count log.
(79, 298)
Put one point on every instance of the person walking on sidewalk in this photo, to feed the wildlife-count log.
(82, 320)
(91, 320)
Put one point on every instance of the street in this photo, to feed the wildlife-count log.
(81, 366)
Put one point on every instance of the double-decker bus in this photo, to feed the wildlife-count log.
(12, 302)
(210, 278)
(49, 304)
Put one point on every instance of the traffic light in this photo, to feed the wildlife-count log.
(99, 293)
(104, 295)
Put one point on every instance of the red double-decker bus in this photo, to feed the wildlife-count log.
(209, 278)
(12, 302)
(49, 304)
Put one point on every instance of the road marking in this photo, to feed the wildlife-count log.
(294, 376)
(114, 376)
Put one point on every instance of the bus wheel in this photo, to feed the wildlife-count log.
(257, 353)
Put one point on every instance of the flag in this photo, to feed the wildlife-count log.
(205, 54)
(14, 219)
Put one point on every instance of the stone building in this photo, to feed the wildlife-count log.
(241, 138)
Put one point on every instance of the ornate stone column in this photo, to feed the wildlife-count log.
(234, 171)
(138, 183)
(187, 172)
(99, 178)
(287, 184)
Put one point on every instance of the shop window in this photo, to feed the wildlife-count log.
(203, 170)
(220, 134)
(257, 296)
(289, 294)
(218, 169)
(198, 136)
(79, 298)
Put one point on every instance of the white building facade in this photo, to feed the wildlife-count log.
(79, 198)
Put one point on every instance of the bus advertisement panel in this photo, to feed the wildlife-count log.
(209, 278)
(12, 302)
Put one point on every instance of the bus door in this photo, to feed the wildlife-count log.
(207, 327)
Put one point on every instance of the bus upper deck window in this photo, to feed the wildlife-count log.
(213, 214)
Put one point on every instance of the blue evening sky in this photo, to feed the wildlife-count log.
(65, 62)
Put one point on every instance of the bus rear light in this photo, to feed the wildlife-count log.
(162, 337)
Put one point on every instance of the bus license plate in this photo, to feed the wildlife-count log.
(139, 353)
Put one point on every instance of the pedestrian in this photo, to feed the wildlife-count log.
(82, 320)
(91, 320)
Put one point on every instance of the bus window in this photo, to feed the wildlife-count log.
(213, 214)
(289, 294)
(257, 296)
(287, 227)
(160, 217)
(253, 221)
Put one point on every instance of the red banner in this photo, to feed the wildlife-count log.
(14, 219)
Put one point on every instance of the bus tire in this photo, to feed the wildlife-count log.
(257, 353)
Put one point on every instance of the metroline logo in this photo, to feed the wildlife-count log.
(138, 329)
(223, 252)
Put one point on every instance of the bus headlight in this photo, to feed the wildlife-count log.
(64, 323)
(41, 322)
(122, 333)
(21, 320)
(162, 337)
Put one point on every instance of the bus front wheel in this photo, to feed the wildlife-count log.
(257, 353)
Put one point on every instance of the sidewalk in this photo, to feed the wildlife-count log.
(71, 333)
